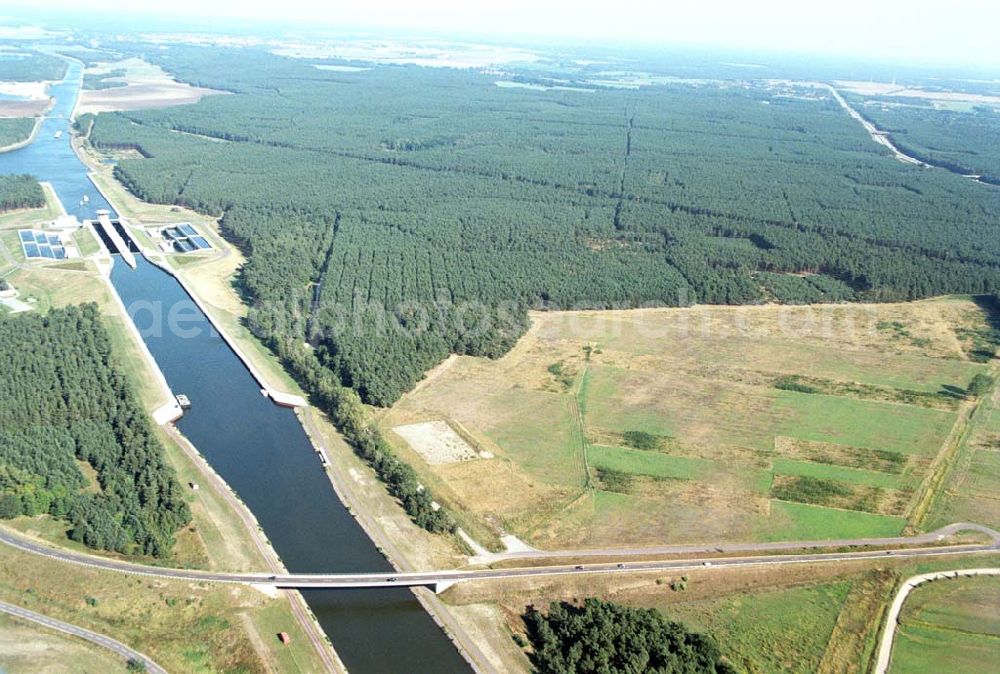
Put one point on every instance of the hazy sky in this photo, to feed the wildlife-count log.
(956, 31)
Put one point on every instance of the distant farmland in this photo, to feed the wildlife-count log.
(674, 425)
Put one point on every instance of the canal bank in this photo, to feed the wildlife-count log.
(256, 447)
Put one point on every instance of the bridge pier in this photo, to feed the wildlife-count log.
(441, 586)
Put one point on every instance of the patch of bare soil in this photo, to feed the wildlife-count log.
(436, 442)
(19, 108)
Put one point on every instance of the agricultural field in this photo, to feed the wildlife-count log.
(949, 625)
(702, 424)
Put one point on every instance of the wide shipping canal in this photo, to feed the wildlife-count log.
(260, 449)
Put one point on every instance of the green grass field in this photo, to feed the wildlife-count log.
(864, 423)
(772, 632)
(832, 472)
(949, 625)
(970, 489)
(652, 464)
(801, 521)
(86, 242)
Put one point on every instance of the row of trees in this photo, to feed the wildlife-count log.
(347, 412)
(20, 191)
(63, 401)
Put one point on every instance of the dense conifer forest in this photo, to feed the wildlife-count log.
(31, 67)
(966, 142)
(395, 215)
(20, 191)
(74, 441)
(15, 130)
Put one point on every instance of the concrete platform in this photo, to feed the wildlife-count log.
(168, 413)
(109, 229)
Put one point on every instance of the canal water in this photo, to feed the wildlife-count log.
(260, 449)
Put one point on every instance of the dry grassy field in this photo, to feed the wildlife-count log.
(27, 648)
(143, 86)
(703, 424)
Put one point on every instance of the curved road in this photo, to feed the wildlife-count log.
(93, 637)
(440, 580)
(885, 648)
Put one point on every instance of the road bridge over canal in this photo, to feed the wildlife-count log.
(924, 545)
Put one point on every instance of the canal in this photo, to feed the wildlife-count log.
(260, 449)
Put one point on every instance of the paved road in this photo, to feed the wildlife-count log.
(93, 637)
(920, 539)
(440, 580)
(885, 648)
(880, 137)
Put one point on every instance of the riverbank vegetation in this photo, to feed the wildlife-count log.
(347, 412)
(15, 130)
(76, 444)
(20, 191)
